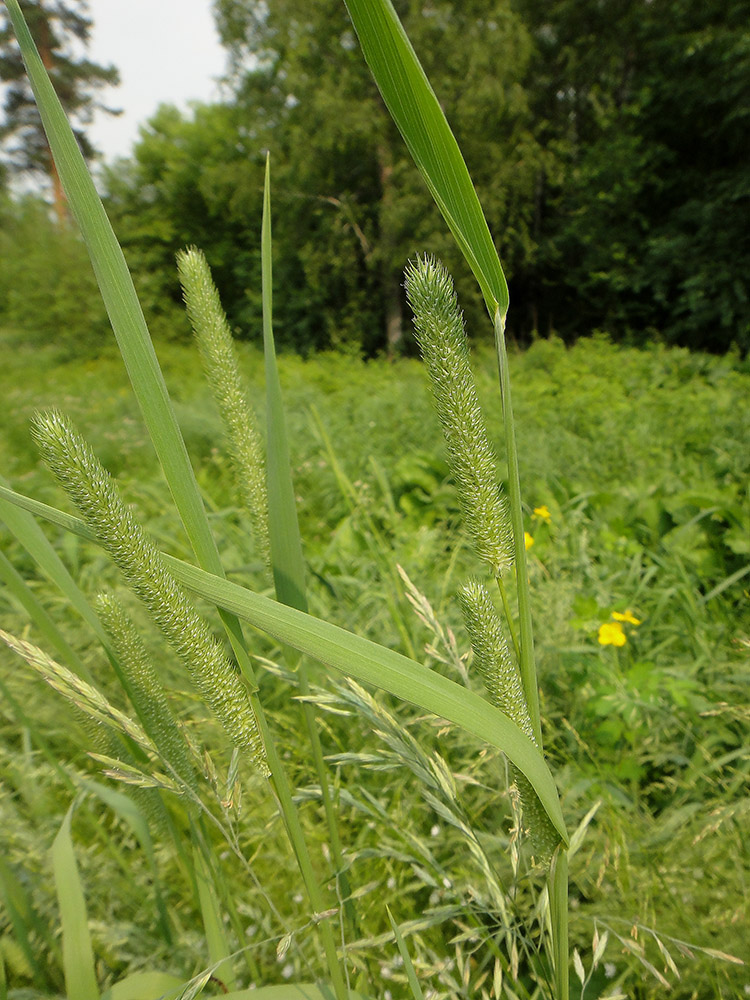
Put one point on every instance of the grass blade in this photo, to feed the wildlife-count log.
(558, 901)
(417, 113)
(78, 956)
(145, 986)
(120, 300)
(286, 546)
(371, 663)
(287, 562)
(416, 989)
(216, 939)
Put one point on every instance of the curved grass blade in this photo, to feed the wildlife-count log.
(416, 111)
(371, 663)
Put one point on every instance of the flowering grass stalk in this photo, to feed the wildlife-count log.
(219, 359)
(90, 488)
(145, 689)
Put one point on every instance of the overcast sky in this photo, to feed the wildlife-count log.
(165, 50)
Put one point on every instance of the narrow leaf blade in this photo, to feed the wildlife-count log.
(286, 546)
(78, 956)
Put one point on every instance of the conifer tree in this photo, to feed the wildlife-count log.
(61, 30)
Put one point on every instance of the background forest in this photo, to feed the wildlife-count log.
(607, 141)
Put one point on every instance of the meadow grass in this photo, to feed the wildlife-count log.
(655, 730)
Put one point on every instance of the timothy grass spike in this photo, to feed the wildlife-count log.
(505, 690)
(439, 327)
(219, 359)
(146, 689)
(91, 489)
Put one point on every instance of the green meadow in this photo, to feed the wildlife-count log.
(636, 463)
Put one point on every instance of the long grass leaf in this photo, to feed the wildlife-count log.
(216, 938)
(558, 900)
(417, 113)
(78, 955)
(120, 300)
(411, 975)
(287, 562)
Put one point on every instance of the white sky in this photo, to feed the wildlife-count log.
(167, 51)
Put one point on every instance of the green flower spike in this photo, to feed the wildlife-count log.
(219, 358)
(146, 690)
(91, 489)
(503, 682)
(439, 327)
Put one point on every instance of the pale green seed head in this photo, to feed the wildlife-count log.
(492, 655)
(439, 327)
(493, 659)
(219, 359)
(146, 689)
(91, 489)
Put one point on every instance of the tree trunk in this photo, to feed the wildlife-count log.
(390, 283)
(58, 194)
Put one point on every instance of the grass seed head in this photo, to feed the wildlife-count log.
(209, 323)
(91, 489)
(439, 327)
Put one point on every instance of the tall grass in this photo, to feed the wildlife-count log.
(190, 802)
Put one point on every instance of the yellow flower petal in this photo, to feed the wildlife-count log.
(628, 616)
(528, 541)
(543, 513)
(611, 634)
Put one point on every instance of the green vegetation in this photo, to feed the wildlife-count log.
(639, 458)
(358, 808)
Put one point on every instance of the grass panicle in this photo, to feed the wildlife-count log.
(87, 699)
(503, 682)
(145, 689)
(440, 331)
(91, 489)
(209, 323)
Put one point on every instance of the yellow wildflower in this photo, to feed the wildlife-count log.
(611, 634)
(528, 541)
(543, 513)
(627, 616)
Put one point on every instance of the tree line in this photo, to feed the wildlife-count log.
(607, 140)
